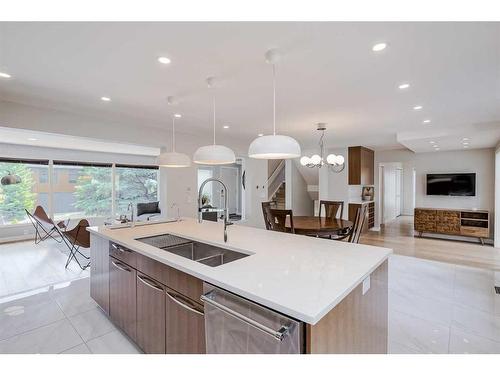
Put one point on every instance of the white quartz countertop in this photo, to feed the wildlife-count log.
(303, 277)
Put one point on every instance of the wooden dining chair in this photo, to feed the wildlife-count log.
(75, 239)
(332, 208)
(277, 220)
(359, 221)
(266, 206)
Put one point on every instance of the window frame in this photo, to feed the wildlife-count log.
(50, 163)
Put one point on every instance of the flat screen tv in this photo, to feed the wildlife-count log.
(455, 184)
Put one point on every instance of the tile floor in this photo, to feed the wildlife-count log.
(434, 307)
(25, 266)
(61, 318)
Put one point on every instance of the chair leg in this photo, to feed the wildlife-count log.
(72, 255)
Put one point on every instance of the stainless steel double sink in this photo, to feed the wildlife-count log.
(199, 252)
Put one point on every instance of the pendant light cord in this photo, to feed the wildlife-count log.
(214, 112)
(274, 99)
(173, 133)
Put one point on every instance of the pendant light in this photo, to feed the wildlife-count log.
(274, 146)
(173, 159)
(11, 179)
(214, 154)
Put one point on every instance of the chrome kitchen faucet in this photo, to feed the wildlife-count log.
(226, 210)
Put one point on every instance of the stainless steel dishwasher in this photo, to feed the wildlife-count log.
(234, 325)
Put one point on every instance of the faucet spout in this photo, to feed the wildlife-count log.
(226, 209)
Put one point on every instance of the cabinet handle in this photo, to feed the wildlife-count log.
(149, 283)
(119, 248)
(117, 265)
(182, 304)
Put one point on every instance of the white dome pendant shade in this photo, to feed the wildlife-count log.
(173, 159)
(274, 146)
(214, 154)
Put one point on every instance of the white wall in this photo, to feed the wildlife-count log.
(479, 161)
(497, 196)
(298, 198)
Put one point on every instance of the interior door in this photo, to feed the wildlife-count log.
(229, 176)
(398, 191)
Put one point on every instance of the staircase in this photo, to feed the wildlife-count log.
(278, 199)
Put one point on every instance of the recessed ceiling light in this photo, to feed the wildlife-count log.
(164, 60)
(260, 134)
(177, 115)
(465, 139)
(465, 143)
(226, 126)
(465, 146)
(432, 142)
(418, 107)
(379, 47)
(435, 146)
(105, 99)
(5, 75)
(426, 121)
(436, 149)
(32, 139)
(404, 86)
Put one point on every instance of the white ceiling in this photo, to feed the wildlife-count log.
(328, 73)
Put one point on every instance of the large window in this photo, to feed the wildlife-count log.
(27, 194)
(73, 190)
(134, 185)
(81, 190)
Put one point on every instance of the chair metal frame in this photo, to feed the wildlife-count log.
(40, 228)
(71, 240)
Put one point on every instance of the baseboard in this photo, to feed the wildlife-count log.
(23, 237)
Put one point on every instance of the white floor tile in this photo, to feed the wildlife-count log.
(92, 324)
(477, 322)
(462, 342)
(114, 342)
(79, 349)
(18, 318)
(418, 334)
(397, 348)
(53, 338)
(429, 309)
(75, 303)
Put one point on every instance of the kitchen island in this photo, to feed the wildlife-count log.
(337, 291)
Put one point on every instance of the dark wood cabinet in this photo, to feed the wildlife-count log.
(122, 296)
(151, 298)
(360, 161)
(99, 272)
(185, 325)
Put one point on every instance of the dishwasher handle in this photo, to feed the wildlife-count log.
(278, 335)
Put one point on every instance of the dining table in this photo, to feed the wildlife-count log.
(319, 226)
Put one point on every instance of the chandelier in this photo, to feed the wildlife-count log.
(336, 163)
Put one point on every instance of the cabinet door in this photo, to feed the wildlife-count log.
(425, 220)
(367, 172)
(99, 271)
(150, 315)
(122, 296)
(185, 325)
